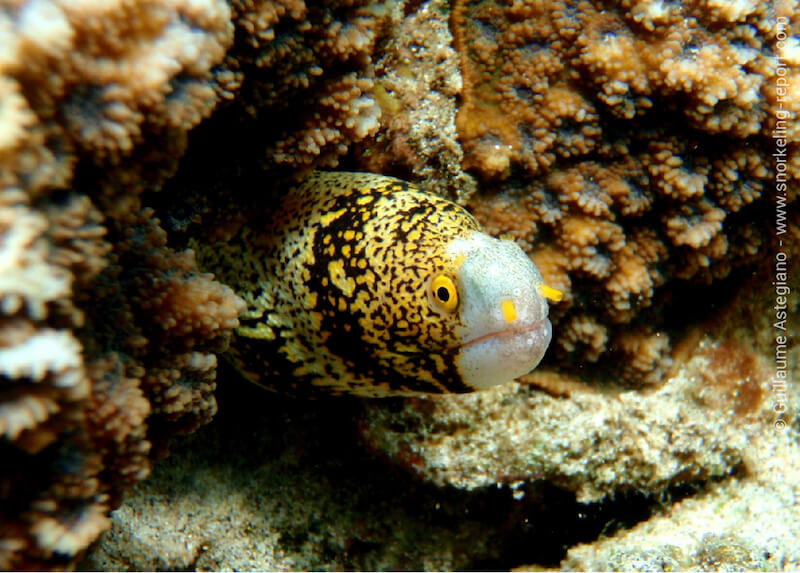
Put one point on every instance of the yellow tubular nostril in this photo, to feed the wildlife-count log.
(509, 310)
(550, 293)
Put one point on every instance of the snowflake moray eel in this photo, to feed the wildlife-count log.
(365, 284)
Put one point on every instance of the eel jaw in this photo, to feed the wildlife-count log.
(502, 356)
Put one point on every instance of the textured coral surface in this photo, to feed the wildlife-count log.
(417, 81)
(109, 335)
(308, 77)
(627, 146)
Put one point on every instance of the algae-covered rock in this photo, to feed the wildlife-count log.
(748, 523)
(593, 443)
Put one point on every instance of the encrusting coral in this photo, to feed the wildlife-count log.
(417, 81)
(629, 147)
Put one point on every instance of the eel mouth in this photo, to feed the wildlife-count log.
(508, 332)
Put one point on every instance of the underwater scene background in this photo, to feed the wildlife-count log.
(644, 154)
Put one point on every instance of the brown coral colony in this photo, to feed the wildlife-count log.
(632, 139)
(109, 334)
(102, 351)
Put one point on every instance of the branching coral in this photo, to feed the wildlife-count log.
(95, 81)
(517, 106)
(131, 65)
(45, 389)
(631, 144)
(308, 76)
(77, 420)
(45, 359)
(96, 102)
(103, 350)
(173, 356)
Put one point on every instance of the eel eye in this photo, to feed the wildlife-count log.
(443, 293)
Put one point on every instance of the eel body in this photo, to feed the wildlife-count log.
(365, 284)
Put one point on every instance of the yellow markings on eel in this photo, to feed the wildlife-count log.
(326, 219)
(366, 284)
(550, 293)
(339, 279)
(509, 310)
